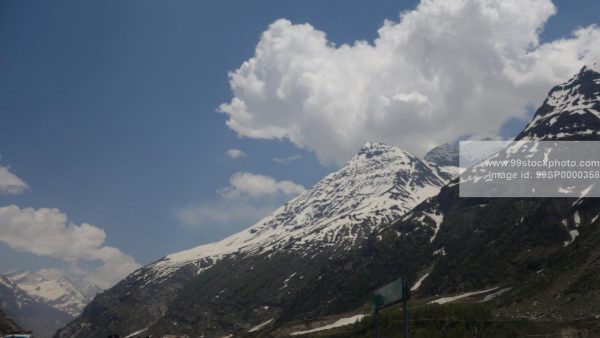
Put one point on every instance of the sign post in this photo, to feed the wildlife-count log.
(376, 321)
(390, 294)
(406, 289)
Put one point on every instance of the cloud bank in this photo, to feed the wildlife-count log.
(248, 198)
(10, 184)
(445, 69)
(48, 232)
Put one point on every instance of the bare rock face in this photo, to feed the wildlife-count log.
(7, 325)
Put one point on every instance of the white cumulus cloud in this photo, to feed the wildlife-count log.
(236, 153)
(248, 184)
(48, 232)
(10, 184)
(248, 198)
(446, 69)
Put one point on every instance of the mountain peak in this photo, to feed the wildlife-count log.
(379, 149)
(595, 67)
(375, 146)
(571, 111)
(443, 155)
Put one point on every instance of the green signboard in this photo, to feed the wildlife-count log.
(390, 293)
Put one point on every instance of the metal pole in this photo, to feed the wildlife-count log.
(405, 315)
(376, 321)
(406, 297)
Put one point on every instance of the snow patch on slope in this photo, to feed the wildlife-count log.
(338, 323)
(573, 234)
(136, 333)
(494, 295)
(445, 300)
(418, 283)
(260, 326)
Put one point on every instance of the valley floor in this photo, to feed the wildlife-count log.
(492, 328)
(427, 319)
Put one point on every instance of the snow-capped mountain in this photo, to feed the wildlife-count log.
(330, 220)
(445, 159)
(375, 187)
(571, 110)
(443, 155)
(29, 312)
(54, 289)
(544, 248)
(12, 293)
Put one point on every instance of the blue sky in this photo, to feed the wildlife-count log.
(108, 109)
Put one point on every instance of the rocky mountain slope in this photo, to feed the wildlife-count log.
(262, 273)
(543, 248)
(566, 285)
(7, 325)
